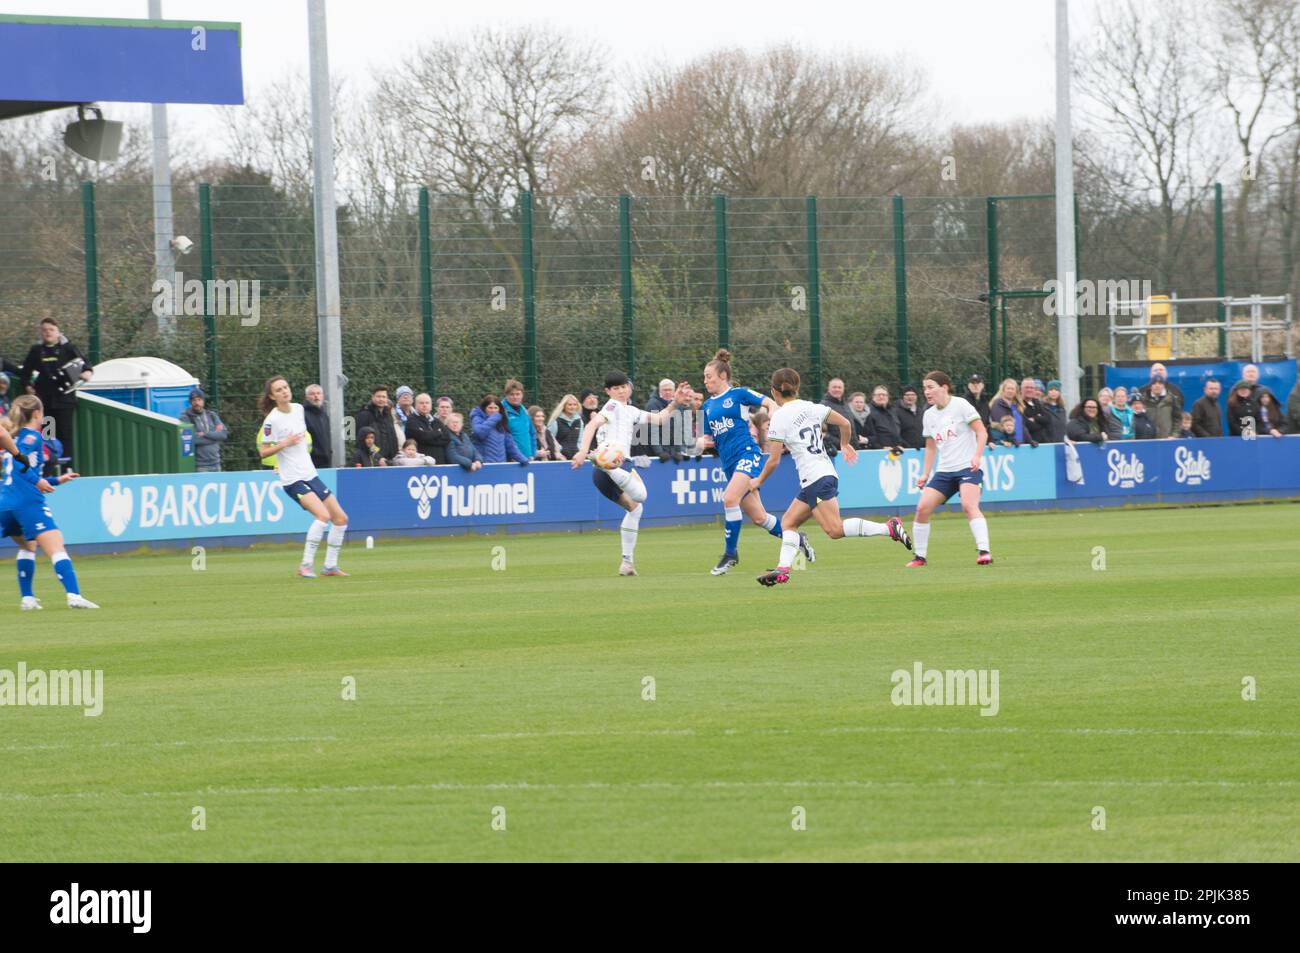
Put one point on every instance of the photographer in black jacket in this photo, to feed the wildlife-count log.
(56, 366)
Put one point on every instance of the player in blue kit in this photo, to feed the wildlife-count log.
(726, 427)
(24, 513)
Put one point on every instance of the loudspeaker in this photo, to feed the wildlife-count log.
(97, 139)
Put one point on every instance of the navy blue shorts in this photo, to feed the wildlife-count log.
(750, 464)
(605, 483)
(949, 483)
(819, 491)
(314, 485)
(27, 520)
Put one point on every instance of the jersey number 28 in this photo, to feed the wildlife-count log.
(813, 437)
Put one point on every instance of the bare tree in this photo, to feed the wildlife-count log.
(1143, 106)
(1249, 57)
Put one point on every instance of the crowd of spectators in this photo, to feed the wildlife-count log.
(417, 430)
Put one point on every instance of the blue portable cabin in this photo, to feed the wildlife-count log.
(149, 383)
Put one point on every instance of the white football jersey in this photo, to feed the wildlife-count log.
(798, 425)
(620, 420)
(951, 431)
(293, 463)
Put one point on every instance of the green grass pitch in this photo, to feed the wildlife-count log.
(522, 690)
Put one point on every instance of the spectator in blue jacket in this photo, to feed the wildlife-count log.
(492, 433)
(209, 433)
(461, 450)
(518, 419)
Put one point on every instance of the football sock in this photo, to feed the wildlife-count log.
(26, 572)
(789, 546)
(67, 575)
(920, 538)
(314, 534)
(772, 525)
(332, 547)
(860, 527)
(733, 522)
(631, 523)
(980, 530)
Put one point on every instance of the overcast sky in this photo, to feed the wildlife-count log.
(985, 61)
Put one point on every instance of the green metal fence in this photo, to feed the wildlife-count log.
(449, 295)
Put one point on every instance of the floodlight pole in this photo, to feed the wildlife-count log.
(1067, 321)
(328, 306)
(164, 263)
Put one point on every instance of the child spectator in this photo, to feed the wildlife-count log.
(1143, 428)
(368, 453)
(1185, 431)
(410, 456)
(1003, 433)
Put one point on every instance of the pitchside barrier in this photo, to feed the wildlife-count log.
(114, 514)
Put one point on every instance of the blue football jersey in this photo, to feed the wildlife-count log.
(726, 418)
(18, 486)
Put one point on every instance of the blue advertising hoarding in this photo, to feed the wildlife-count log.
(1158, 468)
(878, 481)
(115, 513)
(179, 506)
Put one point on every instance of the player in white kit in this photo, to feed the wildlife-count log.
(614, 423)
(284, 436)
(796, 428)
(954, 432)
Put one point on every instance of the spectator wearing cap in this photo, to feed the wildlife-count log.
(1207, 418)
(909, 419)
(1143, 428)
(318, 426)
(589, 400)
(209, 433)
(1164, 407)
(976, 397)
(1160, 375)
(1054, 404)
(834, 399)
(884, 429)
(517, 419)
(430, 433)
(405, 407)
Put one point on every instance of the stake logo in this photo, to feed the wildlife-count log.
(1126, 470)
(1193, 467)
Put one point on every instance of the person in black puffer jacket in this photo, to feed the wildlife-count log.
(909, 419)
(886, 433)
(430, 434)
(1086, 423)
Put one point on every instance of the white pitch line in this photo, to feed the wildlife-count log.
(526, 786)
(173, 744)
(696, 733)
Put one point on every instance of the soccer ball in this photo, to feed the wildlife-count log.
(609, 456)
